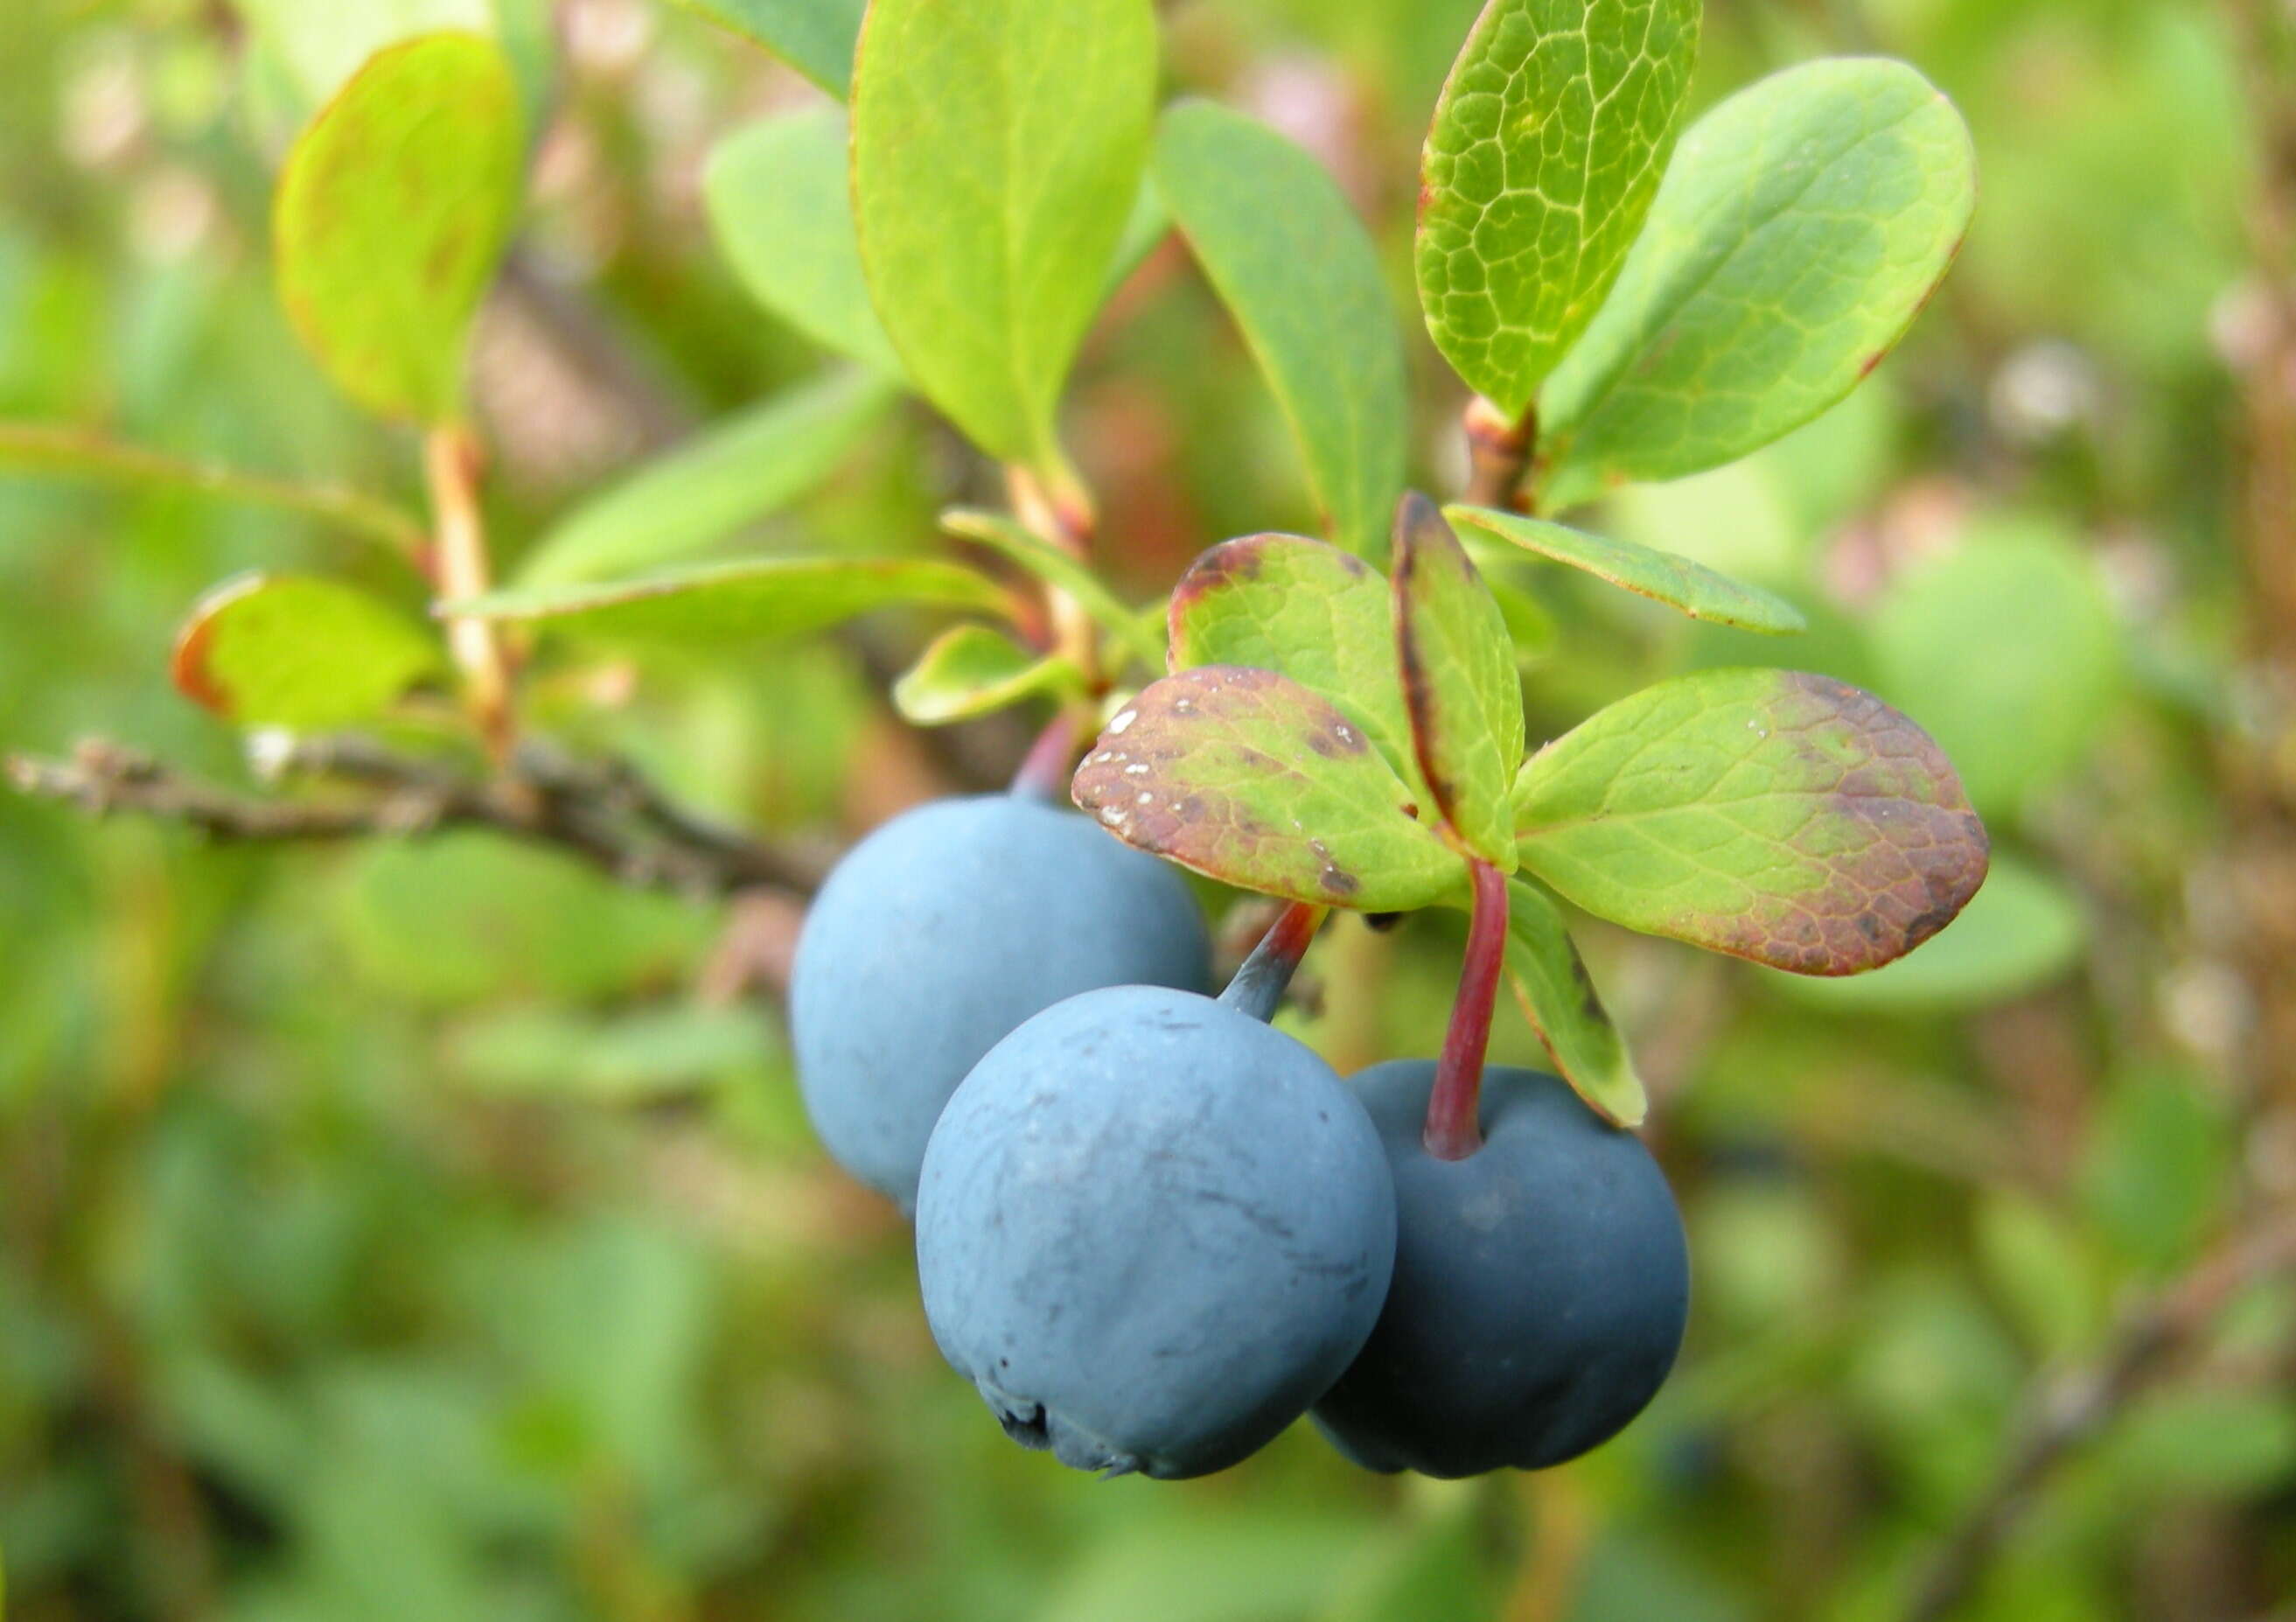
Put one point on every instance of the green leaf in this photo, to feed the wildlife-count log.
(1306, 610)
(1293, 265)
(637, 1057)
(1801, 229)
(1558, 997)
(1056, 568)
(726, 478)
(2021, 931)
(815, 37)
(391, 215)
(971, 669)
(780, 198)
(1665, 577)
(741, 601)
(1461, 687)
(291, 651)
(1770, 814)
(1251, 779)
(1546, 148)
(997, 147)
(2008, 649)
(41, 448)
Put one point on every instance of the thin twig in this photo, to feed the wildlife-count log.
(1498, 456)
(2073, 1407)
(604, 813)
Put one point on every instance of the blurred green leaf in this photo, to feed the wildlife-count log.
(1558, 996)
(815, 37)
(1019, 544)
(1546, 147)
(46, 450)
(740, 600)
(465, 916)
(1461, 692)
(971, 669)
(1294, 267)
(1246, 777)
(292, 651)
(2021, 931)
(728, 476)
(1232, 1567)
(1664, 577)
(997, 148)
(625, 1057)
(2157, 1165)
(1303, 609)
(1803, 224)
(780, 196)
(392, 212)
(2219, 1443)
(2007, 651)
(2043, 1272)
(1769, 814)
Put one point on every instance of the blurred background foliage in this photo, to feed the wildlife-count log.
(429, 1230)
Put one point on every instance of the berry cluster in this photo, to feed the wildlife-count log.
(1153, 1230)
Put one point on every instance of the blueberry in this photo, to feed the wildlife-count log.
(939, 932)
(1152, 1230)
(1540, 1288)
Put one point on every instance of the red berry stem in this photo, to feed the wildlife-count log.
(1453, 1118)
(1044, 769)
(1258, 985)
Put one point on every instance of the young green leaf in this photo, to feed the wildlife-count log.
(729, 475)
(971, 669)
(1558, 997)
(1293, 264)
(1546, 147)
(1251, 779)
(780, 197)
(392, 214)
(1770, 814)
(1049, 564)
(1306, 610)
(997, 150)
(815, 37)
(1665, 577)
(1461, 688)
(750, 599)
(290, 651)
(1804, 223)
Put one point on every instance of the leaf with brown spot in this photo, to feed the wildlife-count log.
(1462, 690)
(1251, 779)
(1558, 997)
(290, 651)
(392, 212)
(1770, 814)
(1303, 609)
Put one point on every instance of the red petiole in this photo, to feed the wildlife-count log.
(1454, 1121)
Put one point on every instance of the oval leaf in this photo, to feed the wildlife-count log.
(1546, 147)
(997, 150)
(1060, 570)
(728, 476)
(1558, 997)
(290, 651)
(1664, 577)
(1293, 265)
(1803, 226)
(815, 37)
(780, 200)
(1306, 610)
(971, 669)
(741, 601)
(1252, 779)
(391, 216)
(1770, 814)
(1462, 689)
